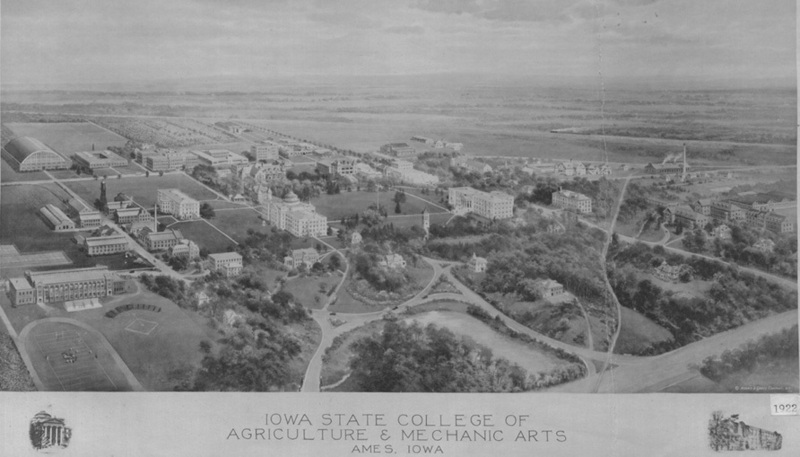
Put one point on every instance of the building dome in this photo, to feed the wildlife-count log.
(291, 197)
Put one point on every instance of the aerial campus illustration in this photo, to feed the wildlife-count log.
(394, 203)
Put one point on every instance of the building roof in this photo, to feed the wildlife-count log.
(165, 235)
(547, 283)
(23, 147)
(573, 195)
(128, 211)
(176, 194)
(54, 214)
(20, 284)
(73, 275)
(226, 256)
(106, 240)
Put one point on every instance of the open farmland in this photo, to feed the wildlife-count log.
(68, 137)
(142, 190)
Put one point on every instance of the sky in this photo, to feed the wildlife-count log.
(104, 41)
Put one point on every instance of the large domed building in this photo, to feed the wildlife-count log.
(30, 154)
(298, 218)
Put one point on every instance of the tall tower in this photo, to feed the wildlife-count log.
(103, 199)
(426, 221)
(683, 175)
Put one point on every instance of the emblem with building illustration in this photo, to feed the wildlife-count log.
(732, 434)
(48, 432)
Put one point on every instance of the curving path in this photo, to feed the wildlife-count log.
(121, 365)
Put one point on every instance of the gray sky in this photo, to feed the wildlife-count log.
(79, 41)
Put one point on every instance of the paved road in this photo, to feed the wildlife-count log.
(648, 373)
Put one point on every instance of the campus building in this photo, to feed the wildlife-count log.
(307, 257)
(29, 154)
(178, 204)
(398, 150)
(727, 212)
(167, 160)
(86, 217)
(98, 159)
(688, 217)
(63, 285)
(132, 214)
(219, 158)
(55, 218)
(185, 248)
(573, 201)
(336, 167)
(159, 241)
(491, 205)
(227, 263)
(298, 218)
(265, 152)
(778, 223)
(106, 244)
(403, 171)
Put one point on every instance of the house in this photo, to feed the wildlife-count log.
(231, 317)
(667, 272)
(722, 232)
(549, 288)
(684, 214)
(355, 238)
(765, 245)
(555, 227)
(392, 261)
(202, 299)
(605, 170)
(307, 257)
(477, 264)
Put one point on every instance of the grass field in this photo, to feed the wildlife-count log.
(70, 358)
(8, 174)
(306, 289)
(142, 190)
(501, 345)
(164, 356)
(69, 137)
(348, 203)
(236, 222)
(204, 235)
(638, 332)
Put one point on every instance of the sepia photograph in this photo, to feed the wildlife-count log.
(449, 204)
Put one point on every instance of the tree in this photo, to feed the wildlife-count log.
(207, 211)
(147, 173)
(160, 173)
(335, 262)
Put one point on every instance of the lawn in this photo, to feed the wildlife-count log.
(8, 174)
(306, 290)
(142, 190)
(204, 235)
(69, 137)
(350, 302)
(236, 222)
(638, 332)
(161, 359)
(348, 203)
(501, 346)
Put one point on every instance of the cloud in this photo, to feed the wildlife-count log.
(405, 29)
(502, 10)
